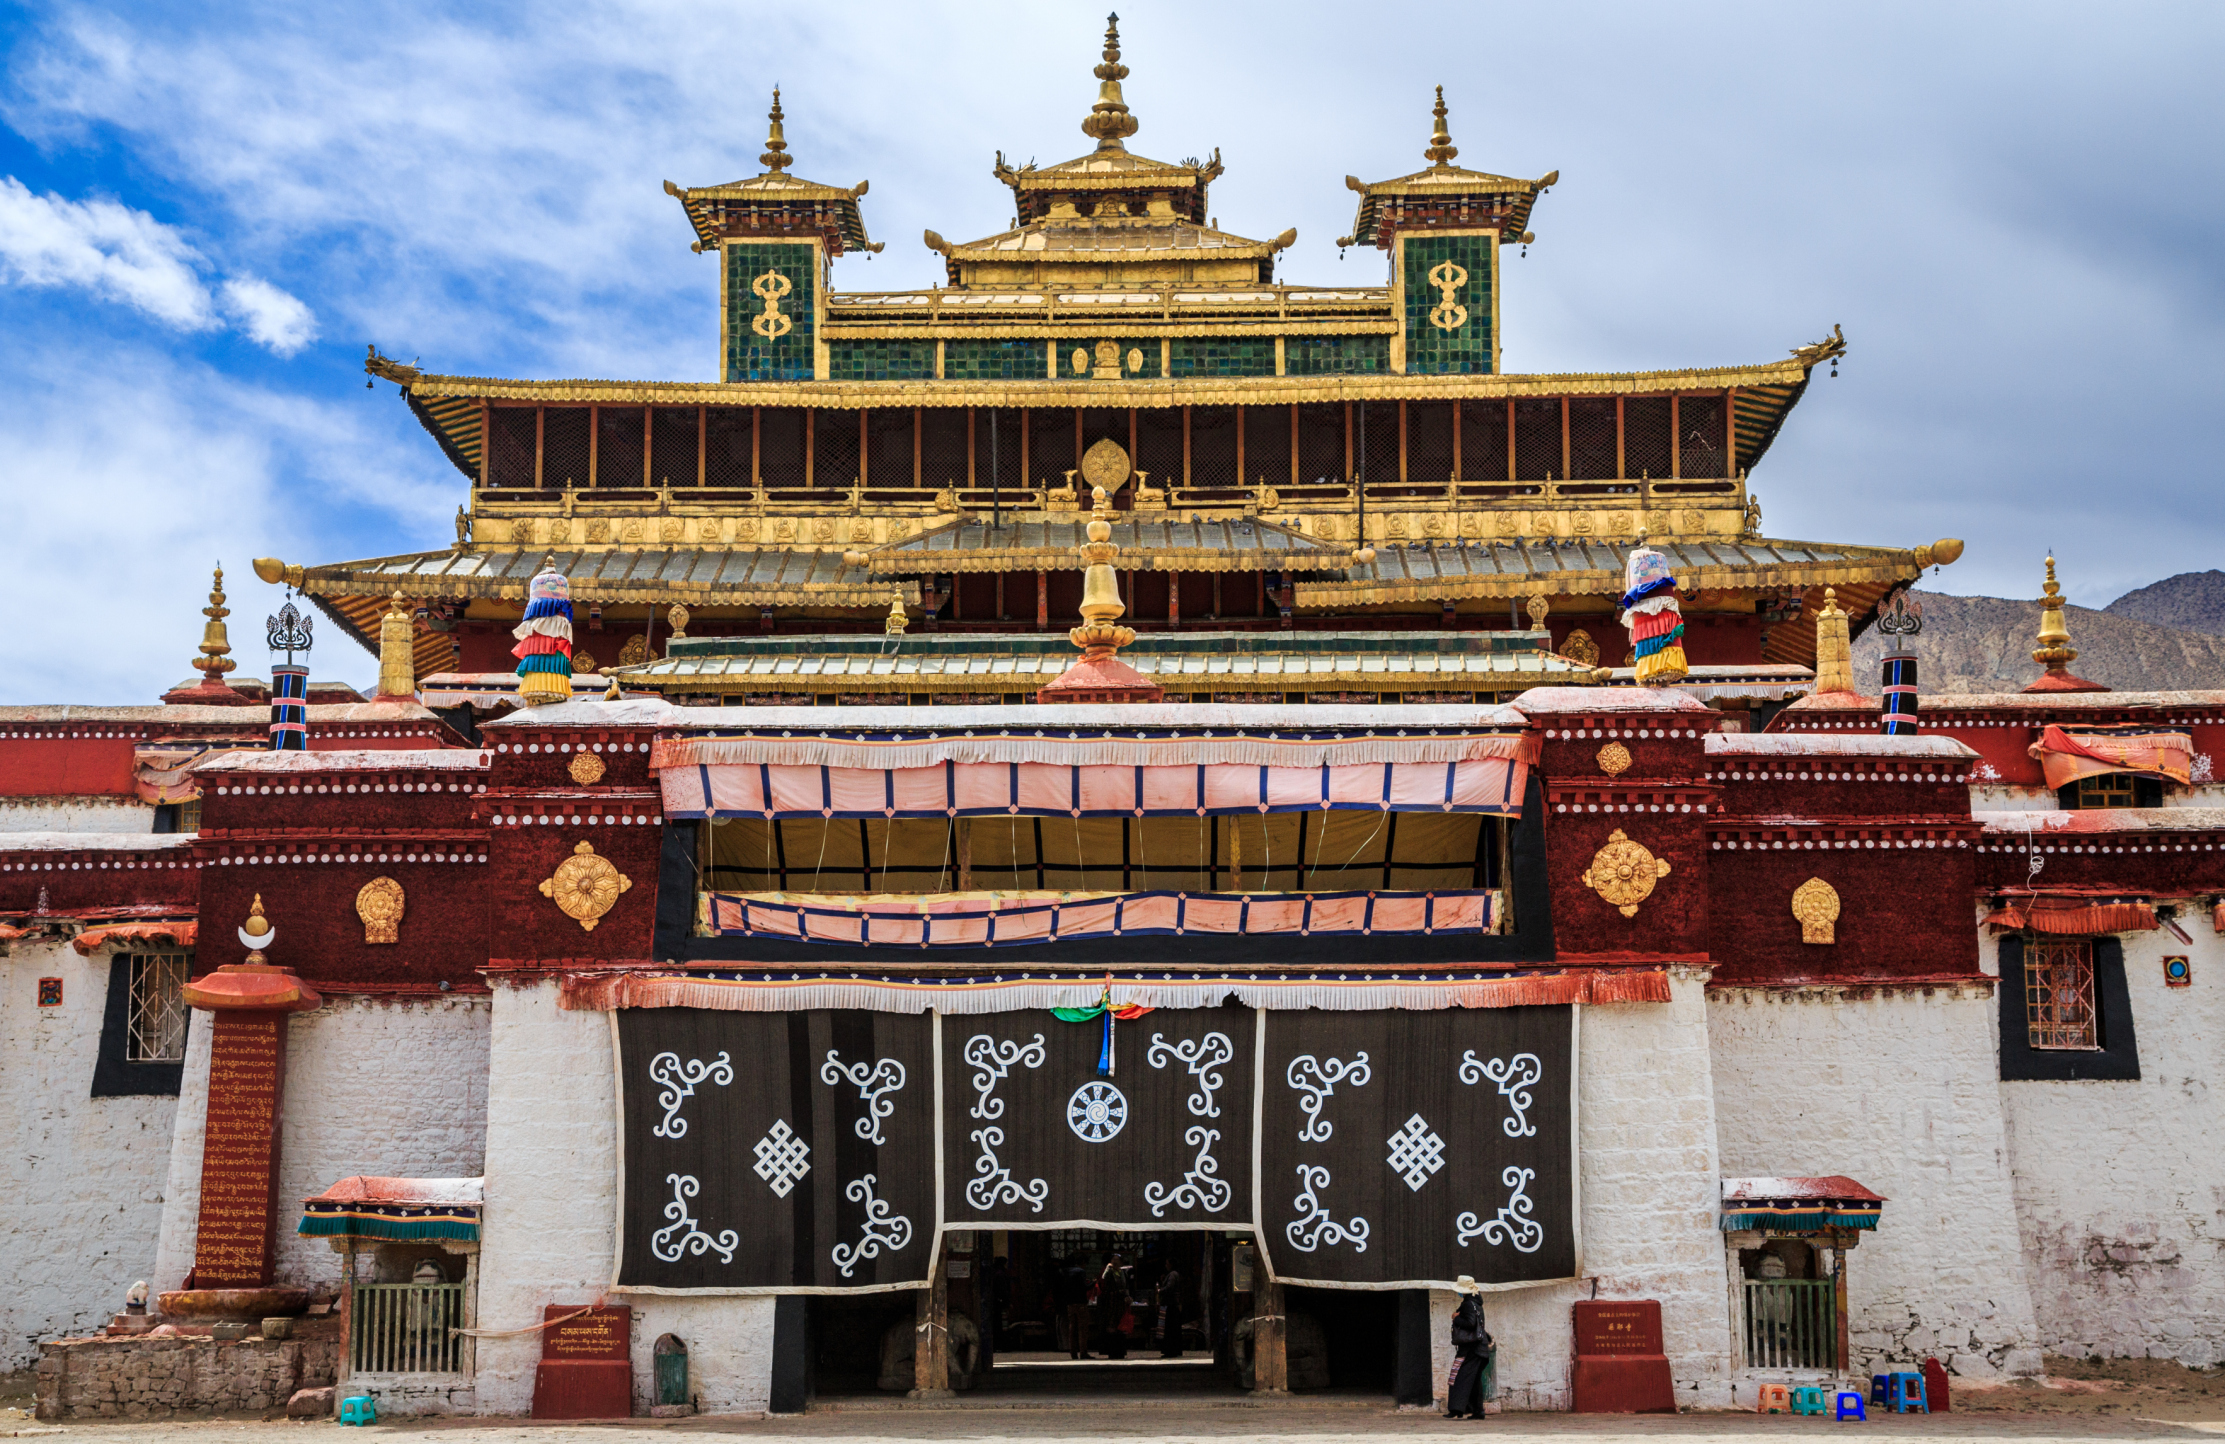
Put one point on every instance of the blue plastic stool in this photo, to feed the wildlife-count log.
(1850, 1406)
(359, 1410)
(1905, 1392)
(1879, 1389)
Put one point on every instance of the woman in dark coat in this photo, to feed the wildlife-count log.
(1472, 1346)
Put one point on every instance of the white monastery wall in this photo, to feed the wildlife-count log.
(76, 814)
(552, 1218)
(1898, 1090)
(2120, 1186)
(378, 1086)
(1646, 1126)
(82, 1177)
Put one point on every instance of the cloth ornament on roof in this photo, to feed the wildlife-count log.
(544, 649)
(1111, 1012)
(1651, 615)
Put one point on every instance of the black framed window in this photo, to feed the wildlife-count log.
(2066, 1011)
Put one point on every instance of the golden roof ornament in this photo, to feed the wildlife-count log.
(1109, 121)
(1834, 648)
(1099, 636)
(256, 933)
(397, 652)
(776, 157)
(1441, 149)
(216, 645)
(2054, 651)
(898, 619)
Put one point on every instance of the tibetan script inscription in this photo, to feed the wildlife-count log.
(239, 1160)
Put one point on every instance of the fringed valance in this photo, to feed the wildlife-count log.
(2075, 917)
(990, 920)
(396, 1210)
(900, 751)
(1803, 1217)
(1064, 789)
(789, 991)
(2066, 754)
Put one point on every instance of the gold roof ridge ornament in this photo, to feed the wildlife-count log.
(216, 644)
(1834, 648)
(397, 653)
(1109, 121)
(2054, 651)
(1100, 636)
(1441, 149)
(776, 157)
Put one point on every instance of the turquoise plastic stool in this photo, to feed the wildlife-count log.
(1808, 1399)
(1904, 1391)
(1850, 1406)
(359, 1410)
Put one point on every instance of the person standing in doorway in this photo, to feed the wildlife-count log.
(1170, 1312)
(1070, 1296)
(1474, 1375)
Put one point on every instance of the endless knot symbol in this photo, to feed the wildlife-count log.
(1416, 1152)
(771, 324)
(1448, 315)
(1096, 1112)
(782, 1158)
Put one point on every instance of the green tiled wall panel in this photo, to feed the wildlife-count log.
(789, 356)
(881, 360)
(1336, 355)
(1466, 349)
(1148, 345)
(1222, 356)
(992, 360)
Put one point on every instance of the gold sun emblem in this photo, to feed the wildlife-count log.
(1815, 905)
(1623, 873)
(380, 904)
(1614, 759)
(585, 886)
(586, 769)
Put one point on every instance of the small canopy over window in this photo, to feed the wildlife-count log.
(1798, 1205)
(396, 1210)
(2069, 754)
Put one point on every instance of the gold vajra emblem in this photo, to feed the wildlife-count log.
(379, 904)
(586, 769)
(1622, 873)
(770, 323)
(1448, 314)
(1614, 759)
(1816, 904)
(585, 886)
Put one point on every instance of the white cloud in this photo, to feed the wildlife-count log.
(125, 255)
(272, 318)
(103, 247)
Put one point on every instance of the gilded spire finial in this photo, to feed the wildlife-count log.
(1109, 120)
(398, 651)
(1834, 647)
(1099, 636)
(1441, 149)
(216, 646)
(776, 157)
(2054, 651)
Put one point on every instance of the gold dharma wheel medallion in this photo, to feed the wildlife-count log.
(1105, 464)
(585, 886)
(1623, 873)
(1815, 905)
(586, 769)
(1614, 759)
(380, 905)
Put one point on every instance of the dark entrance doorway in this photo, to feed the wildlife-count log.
(1105, 1312)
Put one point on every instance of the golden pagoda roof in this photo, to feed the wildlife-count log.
(1115, 239)
(773, 202)
(1472, 197)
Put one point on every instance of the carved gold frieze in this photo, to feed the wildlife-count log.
(584, 886)
(379, 904)
(1816, 904)
(1623, 873)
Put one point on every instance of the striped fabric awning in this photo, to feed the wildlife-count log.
(1042, 789)
(396, 1210)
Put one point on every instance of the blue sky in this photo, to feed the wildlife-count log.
(2016, 211)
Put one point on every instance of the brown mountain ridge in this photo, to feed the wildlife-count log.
(1984, 644)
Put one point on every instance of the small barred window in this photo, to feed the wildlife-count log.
(158, 1012)
(2059, 1007)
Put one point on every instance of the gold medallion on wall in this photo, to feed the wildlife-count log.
(1816, 904)
(1614, 759)
(380, 904)
(584, 886)
(1623, 873)
(586, 769)
(1578, 646)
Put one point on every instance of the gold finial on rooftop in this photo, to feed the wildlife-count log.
(898, 619)
(1109, 120)
(215, 659)
(2054, 651)
(1441, 149)
(1098, 636)
(1834, 647)
(397, 652)
(776, 157)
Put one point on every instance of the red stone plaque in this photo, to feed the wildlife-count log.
(1620, 1367)
(586, 1369)
(239, 1157)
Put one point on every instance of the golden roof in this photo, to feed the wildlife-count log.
(1445, 194)
(773, 200)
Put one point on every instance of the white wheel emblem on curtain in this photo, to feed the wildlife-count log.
(1096, 1112)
